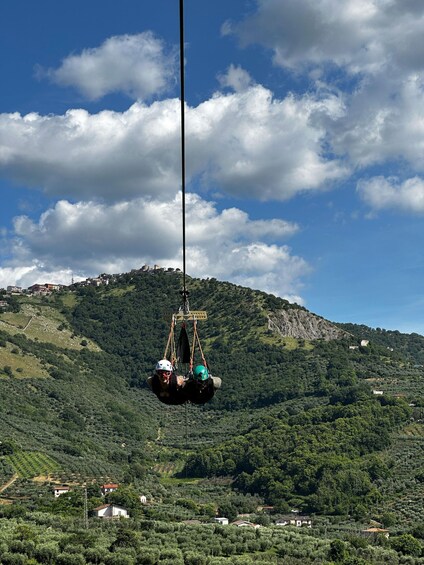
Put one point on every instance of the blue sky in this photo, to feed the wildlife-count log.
(305, 139)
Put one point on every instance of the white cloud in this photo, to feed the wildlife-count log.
(265, 148)
(88, 234)
(89, 238)
(380, 193)
(247, 144)
(384, 120)
(25, 276)
(359, 35)
(236, 78)
(271, 268)
(134, 64)
(381, 116)
(109, 155)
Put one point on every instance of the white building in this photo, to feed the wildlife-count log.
(222, 521)
(60, 490)
(15, 289)
(110, 511)
(244, 524)
(294, 520)
(108, 487)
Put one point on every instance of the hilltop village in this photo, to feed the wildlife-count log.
(45, 289)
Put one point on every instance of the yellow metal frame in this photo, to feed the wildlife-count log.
(192, 315)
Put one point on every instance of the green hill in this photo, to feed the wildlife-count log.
(296, 421)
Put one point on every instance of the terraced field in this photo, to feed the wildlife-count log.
(31, 464)
(405, 489)
(407, 383)
(168, 469)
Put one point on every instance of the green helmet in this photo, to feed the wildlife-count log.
(200, 373)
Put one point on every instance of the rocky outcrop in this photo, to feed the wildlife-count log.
(302, 324)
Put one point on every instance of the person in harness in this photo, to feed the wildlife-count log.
(166, 384)
(201, 385)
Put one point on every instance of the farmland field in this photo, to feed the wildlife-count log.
(405, 488)
(22, 365)
(31, 464)
(41, 322)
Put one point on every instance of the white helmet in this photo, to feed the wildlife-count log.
(164, 365)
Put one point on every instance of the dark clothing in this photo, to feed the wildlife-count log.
(199, 392)
(173, 394)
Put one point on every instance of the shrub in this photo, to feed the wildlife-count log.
(14, 559)
(192, 558)
(407, 545)
(148, 557)
(46, 553)
(338, 550)
(70, 559)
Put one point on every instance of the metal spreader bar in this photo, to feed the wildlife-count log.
(191, 315)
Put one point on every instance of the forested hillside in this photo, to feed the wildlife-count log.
(411, 346)
(296, 422)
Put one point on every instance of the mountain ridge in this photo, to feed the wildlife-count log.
(302, 324)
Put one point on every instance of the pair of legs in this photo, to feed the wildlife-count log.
(216, 382)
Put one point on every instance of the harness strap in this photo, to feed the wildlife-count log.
(170, 346)
(196, 340)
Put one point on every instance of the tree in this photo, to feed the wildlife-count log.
(14, 305)
(148, 556)
(70, 559)
(95, 555)
(171, 557)
(127, 497)
(407, 544)
(120, 559)
(418, 531)
(263, 519)
(194, 558)
(14, 559)
(125, 538)
(338, 551)
(388, 519)
(6, 448)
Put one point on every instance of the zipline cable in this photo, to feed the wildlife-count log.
(183, 171)
(182, 103)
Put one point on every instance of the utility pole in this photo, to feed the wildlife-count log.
(85, 509)
(186, 426)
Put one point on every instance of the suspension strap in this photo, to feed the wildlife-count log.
(170, 346)
(196, 341)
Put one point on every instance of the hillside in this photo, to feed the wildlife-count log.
(411, 346)
(295, 422)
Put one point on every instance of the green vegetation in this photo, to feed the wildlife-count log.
(322, 460)
(295, 425)
(410, 346)
(29, 464)
(54, 532)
